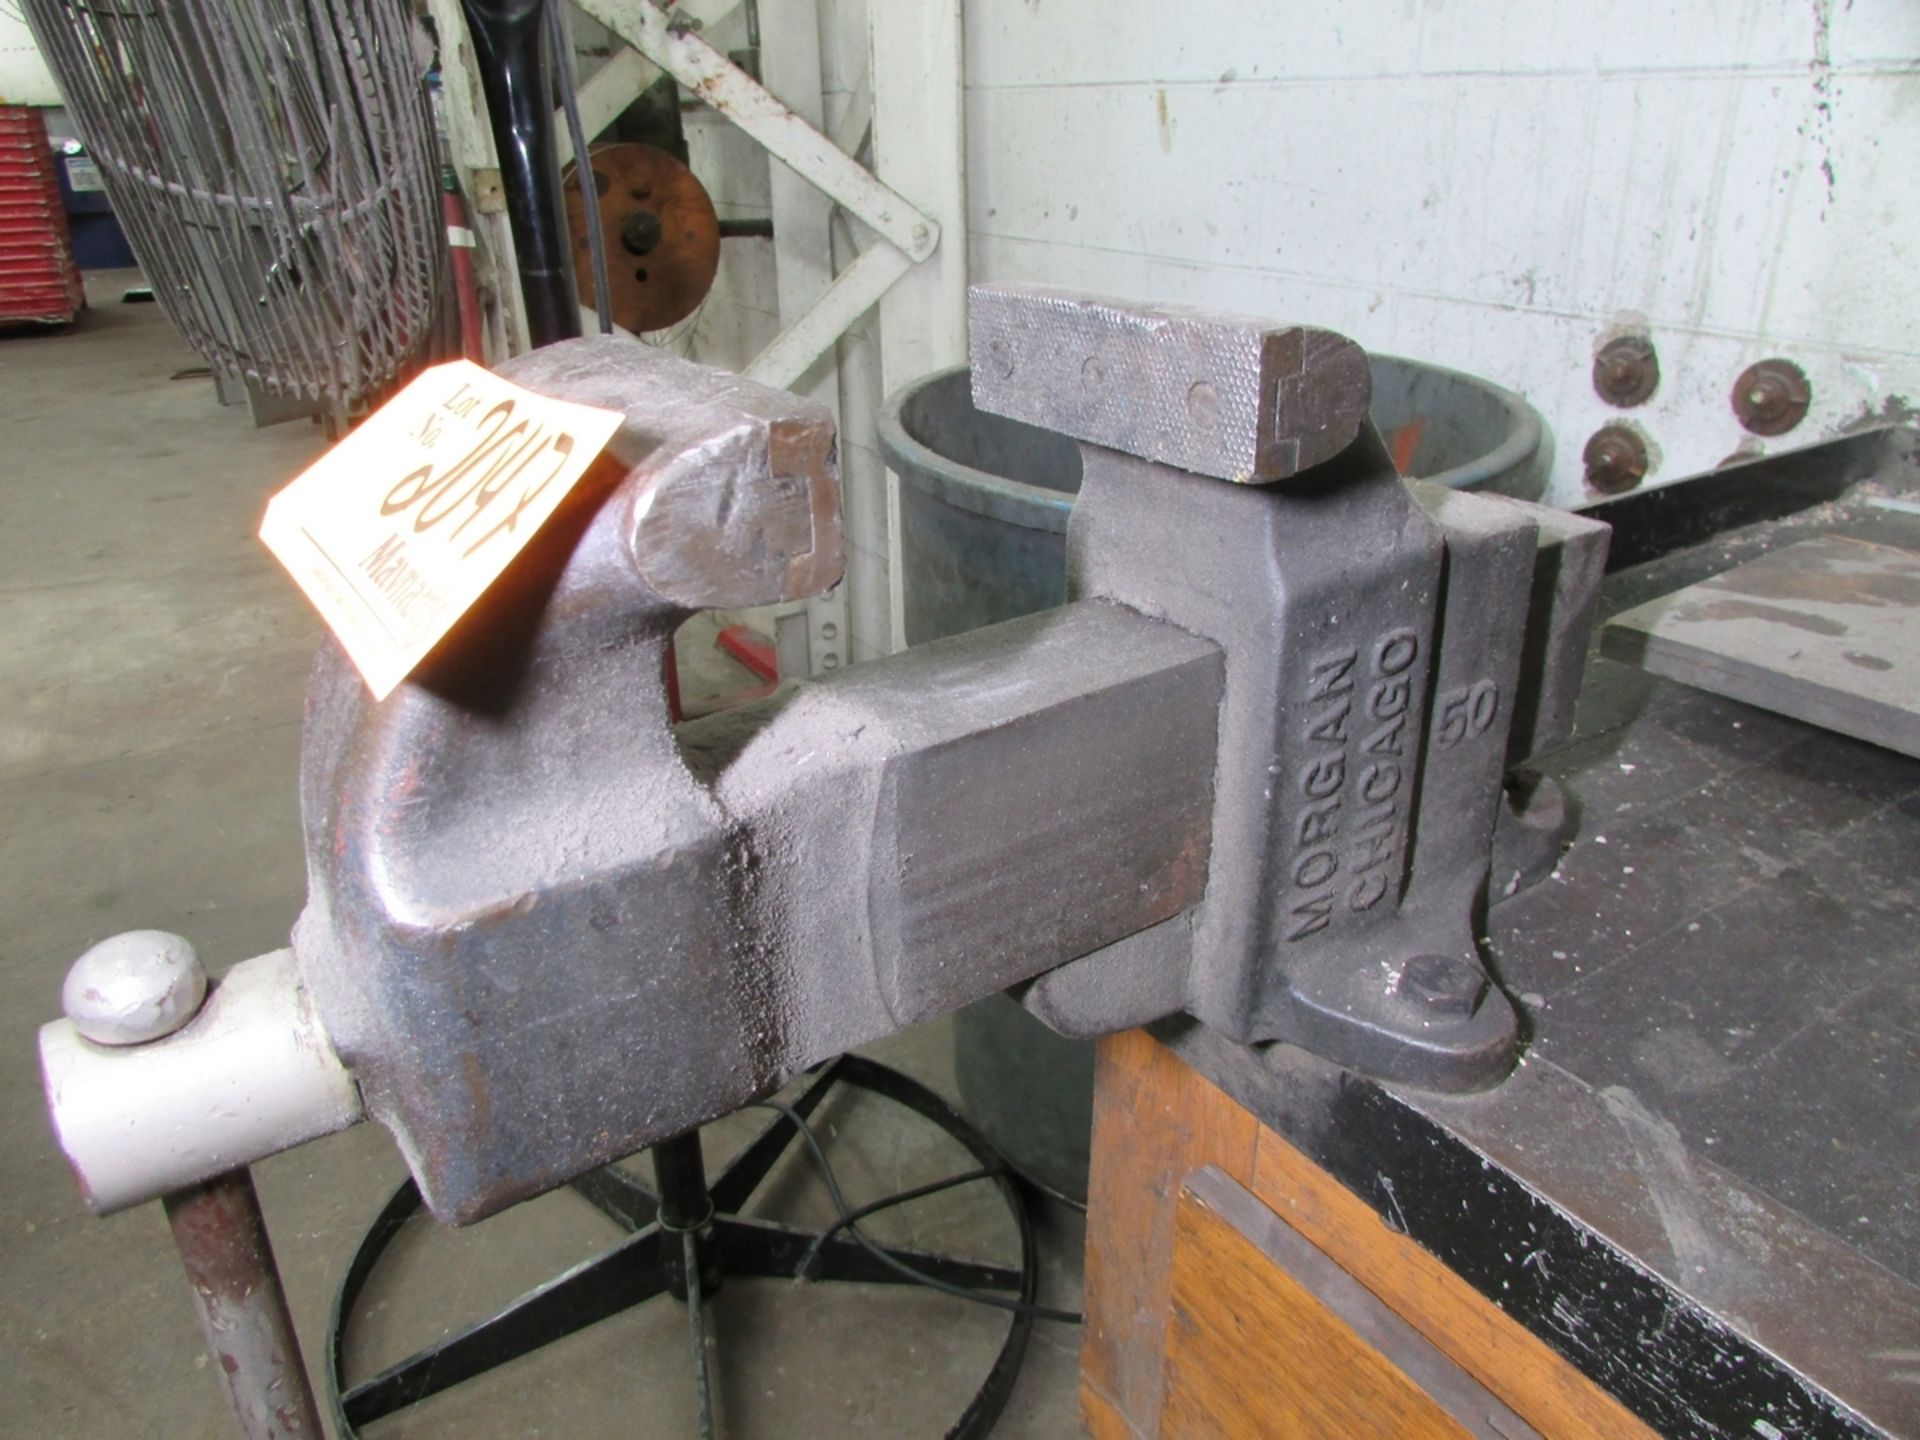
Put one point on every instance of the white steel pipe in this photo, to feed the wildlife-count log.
(250, 1075)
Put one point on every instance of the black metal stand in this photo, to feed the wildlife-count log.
(683, 1241)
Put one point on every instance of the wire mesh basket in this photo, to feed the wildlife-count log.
(273, 164)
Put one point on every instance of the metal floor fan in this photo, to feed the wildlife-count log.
(273, 164)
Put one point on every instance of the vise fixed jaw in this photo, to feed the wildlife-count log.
(1392, 649)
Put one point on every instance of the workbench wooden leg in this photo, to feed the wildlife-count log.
(1155, 1121)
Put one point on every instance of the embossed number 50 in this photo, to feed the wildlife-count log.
(1467, 712)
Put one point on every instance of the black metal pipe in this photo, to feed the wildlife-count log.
(681, 1172)
(510, 45)
(686, 1208)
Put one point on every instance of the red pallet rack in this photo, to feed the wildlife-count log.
(39, 281)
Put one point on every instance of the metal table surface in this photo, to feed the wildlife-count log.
(1700, 1184)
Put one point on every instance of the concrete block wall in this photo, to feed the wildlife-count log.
(1496, 186)
(741, 314)
(1499, 187)
(24, 78)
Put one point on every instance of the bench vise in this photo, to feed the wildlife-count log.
(1261, 768)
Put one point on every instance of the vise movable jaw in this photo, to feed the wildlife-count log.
(1255, 769)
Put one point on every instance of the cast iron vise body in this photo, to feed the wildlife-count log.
(1260, 768)
(1253, 770)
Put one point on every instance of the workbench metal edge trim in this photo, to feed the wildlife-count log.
(1638, 1335)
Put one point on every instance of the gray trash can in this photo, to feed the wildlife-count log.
(984, 504)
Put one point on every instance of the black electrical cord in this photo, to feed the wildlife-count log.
(848, 1217)
(562, 45)
(919, 1192)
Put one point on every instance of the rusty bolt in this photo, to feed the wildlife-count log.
(133, 988)
(1626, 371)
(1616, 459)
(641, 232)
(1443, 984)
(1771, 396)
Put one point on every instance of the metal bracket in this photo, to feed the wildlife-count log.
(906, 234)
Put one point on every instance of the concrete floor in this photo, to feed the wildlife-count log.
(153, 660)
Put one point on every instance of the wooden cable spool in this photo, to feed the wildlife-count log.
(662, 235)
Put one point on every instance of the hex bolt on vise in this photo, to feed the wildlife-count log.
(1260, 768)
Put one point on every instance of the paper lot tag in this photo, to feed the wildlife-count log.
(400, 527)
